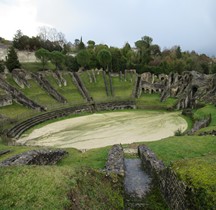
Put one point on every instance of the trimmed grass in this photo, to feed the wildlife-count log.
(15, 111)
(183, 147)
(96, 90)
(123, 89)
(36, 66)
(70, 91)
(35, 187)
(152, 101)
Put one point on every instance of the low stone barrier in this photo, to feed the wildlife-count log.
(35, 157)
(115, 162)
(118, 105)
(200, 124)
(172, 189)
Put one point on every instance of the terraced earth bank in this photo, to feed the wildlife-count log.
(103, 129)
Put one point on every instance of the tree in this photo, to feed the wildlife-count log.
(2, 66)
(12, 61)
(126, 49)
(104, 57)
(71, 63)
(91, 44)
(83, 58)
(43, 55)
(81, 45)
(144, 49)
(178, 52)
(57, 58)
(17, 36)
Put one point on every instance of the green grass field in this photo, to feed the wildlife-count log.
(36, 66)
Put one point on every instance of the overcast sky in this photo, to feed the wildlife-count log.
(188, 23)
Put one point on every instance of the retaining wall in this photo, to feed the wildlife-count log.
(172, 189)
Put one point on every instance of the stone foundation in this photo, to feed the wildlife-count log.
(35, 157)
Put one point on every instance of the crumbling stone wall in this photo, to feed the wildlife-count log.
(35, 157)
(105, 83)
(19, 96)
(118, 105)
(20, 77)
(48, 87)
(172, 189)
(81, 87)
(61, 81)
(5, 100)
(115, 162)
(200, 124)
(189, 88)
(137, 90)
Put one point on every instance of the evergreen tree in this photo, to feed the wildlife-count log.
(12, 61)
(2, 67)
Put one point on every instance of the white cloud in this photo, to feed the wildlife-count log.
(19, 15)
(191, 24)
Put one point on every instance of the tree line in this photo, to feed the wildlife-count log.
(145, 56)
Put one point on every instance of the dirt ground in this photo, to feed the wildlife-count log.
(103, 129)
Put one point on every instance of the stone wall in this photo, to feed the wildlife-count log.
(118, 105)
(20, 77)
(35, 157)
(19, 96)
(115, 162)
(43, 82)
(23, 56)
(5, 100)
(81, 87)
(172, 189)
(200, 124)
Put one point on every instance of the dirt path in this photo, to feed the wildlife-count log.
(103, 129)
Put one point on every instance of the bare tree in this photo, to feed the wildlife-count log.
(51, 34)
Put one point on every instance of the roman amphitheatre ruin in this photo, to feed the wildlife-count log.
(94, 109)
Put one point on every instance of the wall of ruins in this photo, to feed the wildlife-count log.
(23, 56)
(173, 190)
(5, 100)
